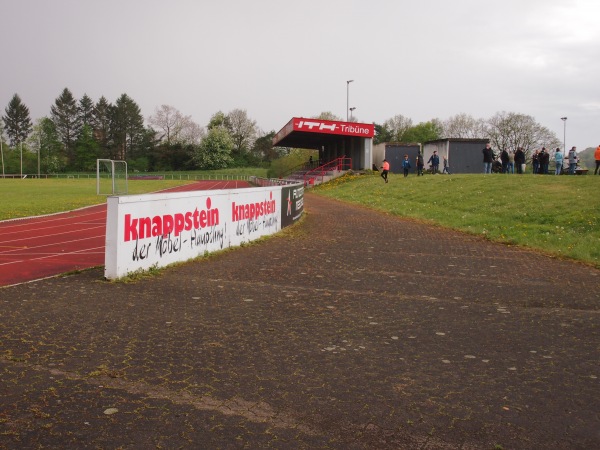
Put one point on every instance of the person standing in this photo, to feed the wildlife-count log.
(597, 158)
(558, 159)
(385, 168)
(511, 162)
(535, 161)
(446, 166)
(435, 162)
(544, 159)
(406, 165)
(420, 164)
(504, 160)
(572, 160)
(488, 158)
(519, 159)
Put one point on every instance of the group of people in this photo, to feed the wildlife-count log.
(540, 160)
(434, 162)
(509, 161)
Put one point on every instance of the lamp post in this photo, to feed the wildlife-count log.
(348, 97)
(564, 119)
(351, 112)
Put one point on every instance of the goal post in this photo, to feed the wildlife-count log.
(111, 177)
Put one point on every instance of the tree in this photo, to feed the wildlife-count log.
(85, 111)
(46, 140)
(126, 126)
(169, 121)
(243, 131)
(328, 115)
(263, 147)
(87, 150)
(423, 132)
(64, 113)
(397, 126)
(214, 152)
(101, 117)
(219, 119)
(507, 131)
(17, 121)
(382, 134)
(464, 126)
(176, 128)
(192, 133)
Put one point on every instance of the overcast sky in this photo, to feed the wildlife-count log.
(278, 59)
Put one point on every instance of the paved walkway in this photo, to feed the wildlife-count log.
(352, 330)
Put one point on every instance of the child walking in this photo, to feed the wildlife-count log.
(446, 166)
(406, 165)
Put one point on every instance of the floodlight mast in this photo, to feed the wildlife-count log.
(348, 97)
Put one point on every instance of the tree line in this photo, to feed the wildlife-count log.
(77, 132)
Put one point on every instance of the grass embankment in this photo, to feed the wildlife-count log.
(559, 215)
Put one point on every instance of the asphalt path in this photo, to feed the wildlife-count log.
(349, 330)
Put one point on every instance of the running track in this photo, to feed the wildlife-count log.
(41, 247)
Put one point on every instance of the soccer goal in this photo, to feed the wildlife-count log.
(111, 177)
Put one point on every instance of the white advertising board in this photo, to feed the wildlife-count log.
(155, 230)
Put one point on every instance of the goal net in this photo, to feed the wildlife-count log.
(111, 177)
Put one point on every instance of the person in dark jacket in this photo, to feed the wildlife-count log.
(535, 161)
(544, 158)
(420, 164)
(519, 159)
(488, 158)
(434, 160)
(504, 159)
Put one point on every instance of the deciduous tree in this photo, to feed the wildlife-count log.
(464, 126)
(423, 132)
(397, 126)
(214, 152)
(243, 131)
(509, 130)
(175, 127)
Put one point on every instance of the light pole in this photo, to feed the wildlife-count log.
(564, 119)
(348, 97)
(351, 112)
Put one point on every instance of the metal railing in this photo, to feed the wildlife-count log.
(338, 164)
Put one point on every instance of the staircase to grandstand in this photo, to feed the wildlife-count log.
(315, 172)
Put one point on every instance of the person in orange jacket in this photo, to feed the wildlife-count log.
(385, 169)
(597, 158)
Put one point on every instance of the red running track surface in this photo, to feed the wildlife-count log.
(46, 246)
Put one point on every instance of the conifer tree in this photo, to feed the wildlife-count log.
(85, 110)
(101, 126)
(65, 116)
(17, 122)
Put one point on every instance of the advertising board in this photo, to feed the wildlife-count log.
(155, 230)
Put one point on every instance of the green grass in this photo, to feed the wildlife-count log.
(34, 197)
(559, 215)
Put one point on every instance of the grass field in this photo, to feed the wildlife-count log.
(34, 197)
(559, 215)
